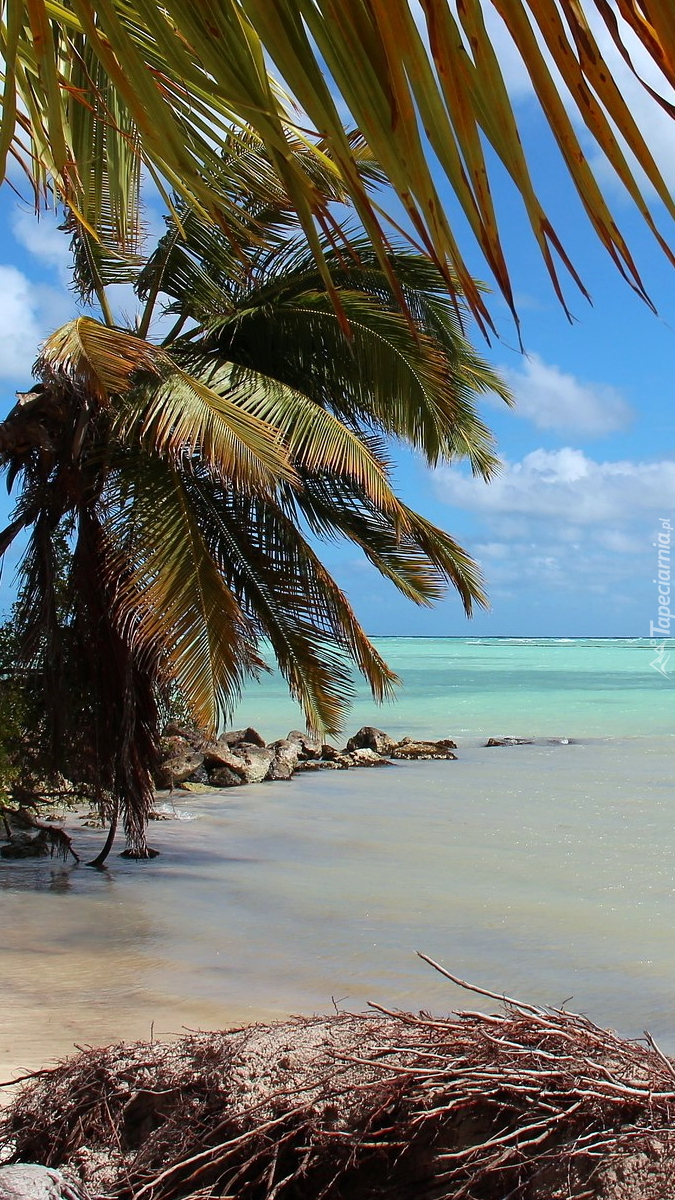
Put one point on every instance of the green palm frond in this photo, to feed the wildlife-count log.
(315, 438)
(291, 599)
(419, 384)
(105, 218)
(422, 562)
(391, 378)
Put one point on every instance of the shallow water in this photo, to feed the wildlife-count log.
(545, 871)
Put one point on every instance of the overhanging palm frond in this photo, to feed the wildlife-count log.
(105, 214)
(419, 90)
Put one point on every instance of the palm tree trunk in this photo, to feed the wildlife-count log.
(108, 844)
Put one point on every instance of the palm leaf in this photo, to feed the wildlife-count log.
(316, 439)
(422, 562)
(172, 594)
(119, 677)
(184, 416)
(94, 359)
(418, 384)
(412, 99)
(291, 599)
(105, 224)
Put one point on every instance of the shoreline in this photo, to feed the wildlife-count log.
(513, 866)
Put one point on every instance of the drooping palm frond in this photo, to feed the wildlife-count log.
(172, 591)
(392, 379)
(290, 599)
(179, 413)
(422, 561)
(184, 415)
(421, 86)
(313, 435)
(119, 678)
(94, 360)
(104, 217)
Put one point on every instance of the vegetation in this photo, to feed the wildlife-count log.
(147, 83)
(188, 477)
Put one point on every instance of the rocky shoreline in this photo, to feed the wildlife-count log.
(242, 756)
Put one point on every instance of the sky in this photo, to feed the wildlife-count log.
(566, 534)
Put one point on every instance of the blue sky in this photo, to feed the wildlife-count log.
(566, 534)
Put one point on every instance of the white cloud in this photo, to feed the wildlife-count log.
(565, 484)
(28, 313)
(20, 328)
(564, 521)
(44, 240)
(553, 399)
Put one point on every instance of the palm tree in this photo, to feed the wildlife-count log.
(93, 91)
(184, 475)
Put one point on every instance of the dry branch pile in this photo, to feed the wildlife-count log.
(533, 1103)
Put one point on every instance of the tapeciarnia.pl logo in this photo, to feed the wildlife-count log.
(661, 628)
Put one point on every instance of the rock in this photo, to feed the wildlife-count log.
(370, 738)
(314, 764)
(23, 845)
(253, 761)
(223, 777)
(280, 769)
(409, 748)
(172, 747)
(28, 1181)
(200, 776)
(330, 753)
(509, 741)
(365, 757)
(187, 733)
(285, 759)
(309, 744)
(176, 770)
(218, 755)
(236, 736)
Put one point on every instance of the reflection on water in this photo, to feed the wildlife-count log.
(58, 879)
(547, 871)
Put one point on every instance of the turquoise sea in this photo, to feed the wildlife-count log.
(546, 870)
(470, 687)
